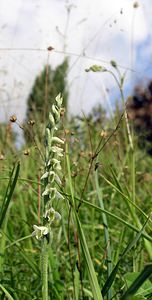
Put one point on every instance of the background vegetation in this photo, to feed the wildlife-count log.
(104, 240)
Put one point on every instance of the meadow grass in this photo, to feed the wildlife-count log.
(102, 247)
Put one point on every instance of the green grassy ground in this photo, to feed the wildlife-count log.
(105, 222)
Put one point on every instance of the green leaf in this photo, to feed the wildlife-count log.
(137, 283)
(88, 261)
(9, 297)
(146, 287)
(113, 274)
(9, 192)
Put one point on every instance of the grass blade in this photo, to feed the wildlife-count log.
(112, 276)
(138, 282)
(9, 192)
(88, 261)
(106, 234)
(100, 210)
(6, 292)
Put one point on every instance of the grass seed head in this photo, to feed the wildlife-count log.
(13, 119)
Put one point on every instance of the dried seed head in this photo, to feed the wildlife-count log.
(62, 112)
(115, 143)
(27, 152)
(136, 5)
(13, 119)
(50, 48)
(103, 134)
(82, 154)
(67, 131)
(113, 63)
(31, 122)
(1, 156)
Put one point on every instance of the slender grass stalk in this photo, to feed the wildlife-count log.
(85, 251)
(24, 221)
(44, 268)
(3, 243)
(106, 234)
(18, 241)
(9, 192)
(119, 247)
(112, 276)
(9, 297)
(130, 204)
(73, 216)
(136, 229)
(143, 276)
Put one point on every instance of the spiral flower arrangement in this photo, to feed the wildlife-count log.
(51, 178)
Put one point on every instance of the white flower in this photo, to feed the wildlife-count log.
(40, 231)
(46, 191)
(57, 150)
(56, 164)
(59, 100)
(56, 113)
(52, 216)
(57, 178)
(51, 176)
(45, 175)
(52, 121)
(52, 193)
(57, 216)
(55, 139)
(58, 195)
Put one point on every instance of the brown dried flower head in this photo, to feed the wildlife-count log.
(103, 134)
(136, 5)
(50, 48)
(27, 152)
(62, 112)
(31, 122)
(2, 156)
(13, 119)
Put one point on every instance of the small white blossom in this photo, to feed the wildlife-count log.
(52, 216)
(59, 100)
(52, 176)
(46, 192)
(40, 231)
(56, 113)
(45, 175)
(52, 193)
(57, 178)
(58, 195)
(51, 118)
(57, 150)
(55, 139)
(56, 164)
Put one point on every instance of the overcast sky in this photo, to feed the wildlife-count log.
(89, 32)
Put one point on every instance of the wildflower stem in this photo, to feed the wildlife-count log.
(44, 267)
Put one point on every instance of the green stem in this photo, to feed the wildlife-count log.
(44, 270)
(106, 233)
(120, 86)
